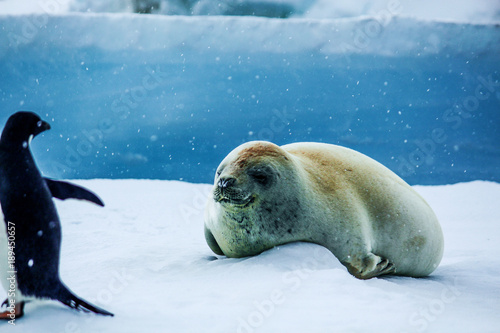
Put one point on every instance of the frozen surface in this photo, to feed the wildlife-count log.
(476, 11)
(144, 257)
(450, 10)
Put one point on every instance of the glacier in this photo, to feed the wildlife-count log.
(167, 97)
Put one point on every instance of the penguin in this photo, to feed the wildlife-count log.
(32, 225)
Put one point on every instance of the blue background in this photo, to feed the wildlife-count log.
(133, 113)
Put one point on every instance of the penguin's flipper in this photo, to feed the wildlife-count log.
(64, 190)
(79, 304)
(17, 312)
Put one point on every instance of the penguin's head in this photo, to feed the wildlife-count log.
(21, 127)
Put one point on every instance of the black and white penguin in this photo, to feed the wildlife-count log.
(30, 241)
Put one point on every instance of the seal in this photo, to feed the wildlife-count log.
(369, 218)
(31, 240)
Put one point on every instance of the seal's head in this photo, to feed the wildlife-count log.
(247, 173)
(254, 194)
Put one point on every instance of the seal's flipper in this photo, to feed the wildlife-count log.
(369, 266)
(71, 300)
(9, 314)
(64, 190)
(212, 243)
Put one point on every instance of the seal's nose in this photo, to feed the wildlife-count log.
(226, 182)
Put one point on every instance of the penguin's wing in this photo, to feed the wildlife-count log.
(64, 190)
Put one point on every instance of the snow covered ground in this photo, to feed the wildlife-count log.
(144, 257)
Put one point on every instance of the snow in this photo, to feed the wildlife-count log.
(415, 85)
(457, 10)
(478, 11)
(143, 256)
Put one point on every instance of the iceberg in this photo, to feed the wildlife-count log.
(167, 97)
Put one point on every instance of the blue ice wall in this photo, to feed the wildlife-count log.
(133, 96)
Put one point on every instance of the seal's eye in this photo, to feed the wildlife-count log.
(261, 176)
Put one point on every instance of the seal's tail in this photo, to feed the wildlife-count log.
(68, 298)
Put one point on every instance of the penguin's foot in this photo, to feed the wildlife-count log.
(13, 312)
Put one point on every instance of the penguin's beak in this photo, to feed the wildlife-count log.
(45, 125)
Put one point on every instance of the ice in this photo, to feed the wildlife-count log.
(227, 80)
(144, 258)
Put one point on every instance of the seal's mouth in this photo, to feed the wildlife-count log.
(242, 203)
(234, 198)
